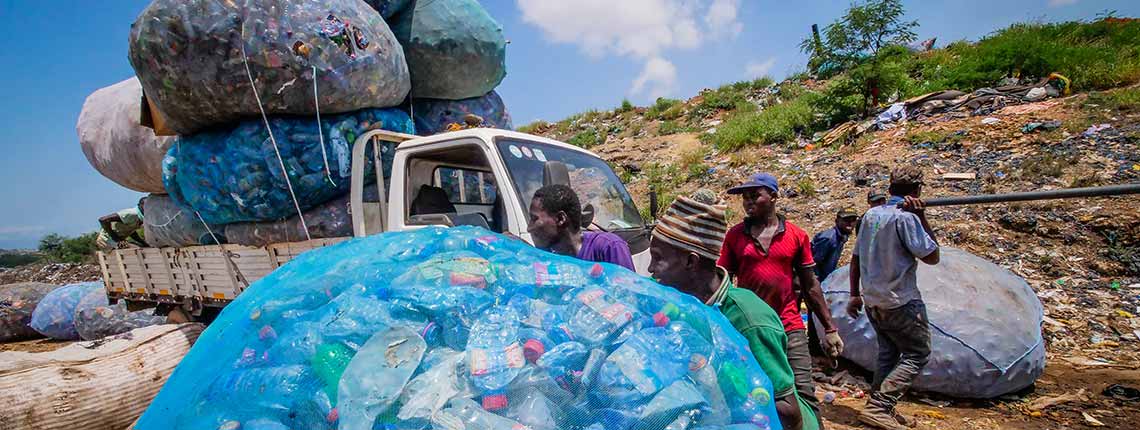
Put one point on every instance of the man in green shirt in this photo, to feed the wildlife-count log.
(124, 226)
(683, 250)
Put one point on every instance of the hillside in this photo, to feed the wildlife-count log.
(1081, 256)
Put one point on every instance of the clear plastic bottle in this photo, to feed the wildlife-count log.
(266, 389)
(494, 355)
(597, 319)
(746, 393)
(564, 363)
(546, 280)
(646, 363)
(376, 376)
(534, 410)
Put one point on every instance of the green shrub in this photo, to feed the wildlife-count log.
(733, 96)
(774, 125)
(536, 126)
(585, 139)
(626, 106)
(659, 107)
(672, 127)
(13, 260)
(63, 249)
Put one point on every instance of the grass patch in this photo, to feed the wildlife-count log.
(1124, 100)
(13, 260)
(659, 107)
(733, 96)
(805, 186)
(775, 125)
(672, 127)
(534, 127)
(626, 106)
(928, 136)
(1044, 165)
(692, 162)
(665, 179)
(585, 139)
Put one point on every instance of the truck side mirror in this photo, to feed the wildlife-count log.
(555, 172)
(587, 215)
(653, 204)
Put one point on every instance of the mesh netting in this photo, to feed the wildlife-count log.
(433, 116)
(455, 50)
(461, 328)
(54, 316)
(234, 175)
(96, 317)
(17, 302)
(191, 58)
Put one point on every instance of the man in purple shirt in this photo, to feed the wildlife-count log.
(556, 226)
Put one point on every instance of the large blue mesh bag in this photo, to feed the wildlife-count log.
(985, 326)
(455, 50)
(329, 219)
(192, 57)
(433, 116)
(233, 175)
(462, 328)
(54, 315)
(96, 317)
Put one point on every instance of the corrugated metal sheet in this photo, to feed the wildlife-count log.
(98, 385)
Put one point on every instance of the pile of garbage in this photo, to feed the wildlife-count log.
(462, 328)
(983, 347)
(247, 111)
(71, 312)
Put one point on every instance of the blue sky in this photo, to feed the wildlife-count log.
(564, 57)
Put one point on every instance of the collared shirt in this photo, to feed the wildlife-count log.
(826, 248)
(764, 331)
(890, 239)
(769, 273)
(605, 247)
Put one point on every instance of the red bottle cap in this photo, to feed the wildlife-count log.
(533, 350)
(660, 319)
(494, 402)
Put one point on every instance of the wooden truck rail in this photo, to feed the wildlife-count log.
(210, 274)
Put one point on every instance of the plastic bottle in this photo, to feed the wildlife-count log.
(564, 363)
(464, 414)
(494, 355)
(746, 393)
(534, 410)
(328, 363)
(596, 318)
(700, 349)
(542, 315)
(546, 280)
(646, 363)
(376, 375)
(535, 343)
(427, 393)
(671, 312)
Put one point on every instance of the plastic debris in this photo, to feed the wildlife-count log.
(434, 116)
(167, 225)
(1122, 392)
(17, 303)
(196, 59)
(54, 316)
(458, 329)
(990, 120)
(96, 317)
(1035, 126)
(233, 175)
(114, 142)
(329, 219)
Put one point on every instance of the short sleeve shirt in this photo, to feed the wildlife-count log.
(889, 242)
(769, 273)
(604, 247)
(131, 221)
(764, 331)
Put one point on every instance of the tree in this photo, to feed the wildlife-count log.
(861, 33)
(64, 249)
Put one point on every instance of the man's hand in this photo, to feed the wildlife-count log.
(914, 205)
(855, 306)
(833, 344)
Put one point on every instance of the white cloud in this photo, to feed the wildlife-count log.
(756, 69)
(1059, 3)
(657, 79)
(644, 30)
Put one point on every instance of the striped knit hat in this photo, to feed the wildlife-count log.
(695, 223)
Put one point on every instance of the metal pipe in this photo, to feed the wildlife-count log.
(1110, 190)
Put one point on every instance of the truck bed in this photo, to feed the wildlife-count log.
(210, 275)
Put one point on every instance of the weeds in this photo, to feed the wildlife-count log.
(626, 106)
(534, 127)
(659, 107)
(1044, 165)
(805, 186)
(672, 127)
(775, 125)
(585, 139)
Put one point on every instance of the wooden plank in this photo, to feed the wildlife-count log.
(109, 283)
(145, 273)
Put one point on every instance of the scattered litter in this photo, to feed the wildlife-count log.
(1091, 421)
(932, 402)
(990, 120)
(1047, 125)
(1094, 129)
(1122, 392)
(1043, 403)
(1036, 94)
(960, 176)
(934, 414)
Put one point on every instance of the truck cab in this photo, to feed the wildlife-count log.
(482, 176)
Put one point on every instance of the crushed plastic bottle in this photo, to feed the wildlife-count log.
(646, 363)
(494, 355)
(597, 319)
(376, 376)
(565, 362)
(464, 414)
(746, 393)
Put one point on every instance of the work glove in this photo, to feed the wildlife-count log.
(832, 344)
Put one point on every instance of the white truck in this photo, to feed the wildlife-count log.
(480, 176)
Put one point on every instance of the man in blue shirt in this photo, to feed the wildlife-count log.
(827, 245)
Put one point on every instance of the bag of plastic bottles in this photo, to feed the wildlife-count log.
(234, 175)
(388, 8)
(54, 316)
(195, 59)
(983, 347)
(455, 50)
(114, 142)
(462, 329)
(331, 219)
(17, 302)
(434, 116)
(96, 317)
(167, 225)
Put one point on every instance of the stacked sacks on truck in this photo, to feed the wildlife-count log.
(235, 175)
(116, 144)
(436, 116)
(454, 49)
(462, 328)
(167, 225)
(330, 219)
(196, 60)
(985, 326)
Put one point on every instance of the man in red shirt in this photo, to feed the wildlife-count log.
(764, 253)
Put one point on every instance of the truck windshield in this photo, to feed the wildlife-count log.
(590, 177)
